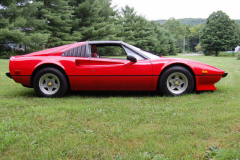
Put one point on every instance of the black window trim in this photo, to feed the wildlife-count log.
(120, 43)
(144, 58)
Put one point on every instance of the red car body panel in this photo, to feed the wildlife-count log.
(86, 73)
(121, 74)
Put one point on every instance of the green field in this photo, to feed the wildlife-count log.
(122, 125)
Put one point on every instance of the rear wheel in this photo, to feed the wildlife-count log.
(176, 81)
(50, 82)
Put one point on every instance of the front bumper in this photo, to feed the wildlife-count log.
(225, 75)
(9, 75)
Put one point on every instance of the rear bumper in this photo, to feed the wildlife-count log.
(9, 75)
(225, 75)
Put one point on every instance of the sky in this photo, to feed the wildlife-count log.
(165, 9)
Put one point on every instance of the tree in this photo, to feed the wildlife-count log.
(178, 32)
(94, 20)
(220, 33)
(145, 34)
(57, 17)
(198, 47)
(32, 25)
(19, 27)
(193, 36)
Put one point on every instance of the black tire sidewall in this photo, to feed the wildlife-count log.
(164, 76)
(63, 82)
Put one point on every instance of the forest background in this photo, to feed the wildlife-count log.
(28, 26)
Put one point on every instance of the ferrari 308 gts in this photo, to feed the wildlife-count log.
(93, 66)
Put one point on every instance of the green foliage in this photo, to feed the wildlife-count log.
(178, 31)
(34, 25)
(238, 21)
(226, 54)
(7, 54)
(220, 33)
(111, 51)
(191, 21)
(58, 17)
(193, 37)
(161, 21)
(43, 24)
(211, 153)
(208, 53)
(145, 34)
(238, 55)
(94, 20)
(193, 28)
(199, 48)
(175, 27)
(19, 26)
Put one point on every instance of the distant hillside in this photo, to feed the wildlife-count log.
(161, 21)
(191, 21)
(238, 21)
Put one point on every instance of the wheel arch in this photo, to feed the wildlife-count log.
(182, 65)
(45, 65)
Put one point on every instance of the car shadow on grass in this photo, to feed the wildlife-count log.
(29, 93)
(114, 94)
(104, 94)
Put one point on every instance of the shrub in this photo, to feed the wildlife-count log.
(227, 54)
(7, 55)
(199, 48)
(238, 55)
(208, 53)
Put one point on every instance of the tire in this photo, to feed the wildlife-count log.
(176, 81)
(50, 82)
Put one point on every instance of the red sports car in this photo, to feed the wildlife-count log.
(93, 66)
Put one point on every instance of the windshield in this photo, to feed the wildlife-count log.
(146, 53)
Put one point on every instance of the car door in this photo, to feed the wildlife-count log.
(121, 74)
(76, 62)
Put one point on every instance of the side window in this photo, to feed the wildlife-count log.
(79, 51)
(114, 51)
(108, 51)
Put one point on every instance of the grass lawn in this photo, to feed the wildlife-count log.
(120, 125)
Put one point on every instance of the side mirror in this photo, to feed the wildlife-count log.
(131, 58)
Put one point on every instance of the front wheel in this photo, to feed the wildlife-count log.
(50, 82)
(176, 81)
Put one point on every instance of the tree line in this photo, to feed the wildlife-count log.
(192, 21)
(220, 33)
(28, 26)
(32, 25)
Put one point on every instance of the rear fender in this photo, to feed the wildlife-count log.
(44, 65)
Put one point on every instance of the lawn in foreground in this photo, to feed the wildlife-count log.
(122, 125)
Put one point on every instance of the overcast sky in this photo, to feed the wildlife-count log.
(165, 9)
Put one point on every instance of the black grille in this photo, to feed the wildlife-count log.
(79, 51)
